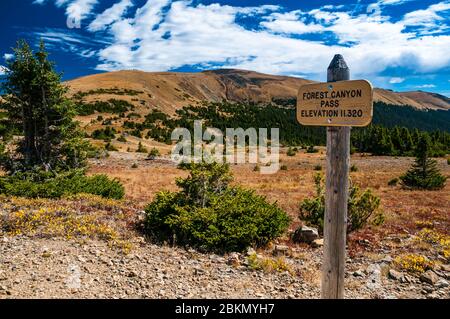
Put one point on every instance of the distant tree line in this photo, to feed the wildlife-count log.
(380, 138)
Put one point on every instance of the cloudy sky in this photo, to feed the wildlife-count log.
(397, 44)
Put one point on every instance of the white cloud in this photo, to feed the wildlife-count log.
(290, 22)
(8, 56)
(396, 80)
(109, 16)
(76, 10)
(428, 19)
(426, 86)
(209, 35)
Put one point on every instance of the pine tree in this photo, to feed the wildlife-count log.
(37, 106)
(424, 173)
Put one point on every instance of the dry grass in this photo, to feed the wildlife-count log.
(407, 212)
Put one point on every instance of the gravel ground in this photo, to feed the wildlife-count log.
(56, 268)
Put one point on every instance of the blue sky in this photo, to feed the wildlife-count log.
(402, 45)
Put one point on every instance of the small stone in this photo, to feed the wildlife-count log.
(387, 259)
(233, 259)
(396, 275)
(442, 283)
(445, 267)
(280, 250)
(429, 277)
(433, 296)
(305, 234)
(358, 273)
(317, 243)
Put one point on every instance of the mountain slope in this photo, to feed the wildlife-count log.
(169, 91)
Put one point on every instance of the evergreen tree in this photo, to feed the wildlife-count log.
(36, 104)
(424, 173)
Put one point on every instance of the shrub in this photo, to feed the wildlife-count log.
(141, 148)
(424, 173)
(412, 263)
(154, 152)
(211, 215)
(268, 265)
(122, 139)
(49, 185)
(353, 168)
(134, 165)
(318, 167)
(110, 148)
(290, 152)
(284, 167)
(361, 206)
(311, 149)
(448, 161)
(104, 134)
(393, 182)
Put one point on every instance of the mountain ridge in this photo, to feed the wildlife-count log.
(169, 91)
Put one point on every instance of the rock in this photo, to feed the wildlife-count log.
(317, 243)
(280, 250)
(433, 296)
(396, 275)
(358, 273)
(233, 259)
(442, 283)
(374, 278)
(305, 234)
(387, 260)
(429, 277)
(445, 267)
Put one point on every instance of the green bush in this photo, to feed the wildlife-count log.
(211, 215)
(122, 139)
(291, 152)
(448, 161)
(393, 182)
(104, 134)
(154, 152)
(361, 206)
(318, 167)
(284, 167)
(49, 185)
(110, 148)
(141, 148)
(311, 149)
(353, 168)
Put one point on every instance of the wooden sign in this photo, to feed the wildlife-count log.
(342, 103)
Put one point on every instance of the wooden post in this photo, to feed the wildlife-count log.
(335, 223)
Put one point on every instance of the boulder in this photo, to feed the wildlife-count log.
(429, 277)
(305, 234)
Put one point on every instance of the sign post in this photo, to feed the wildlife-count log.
(338, 104)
